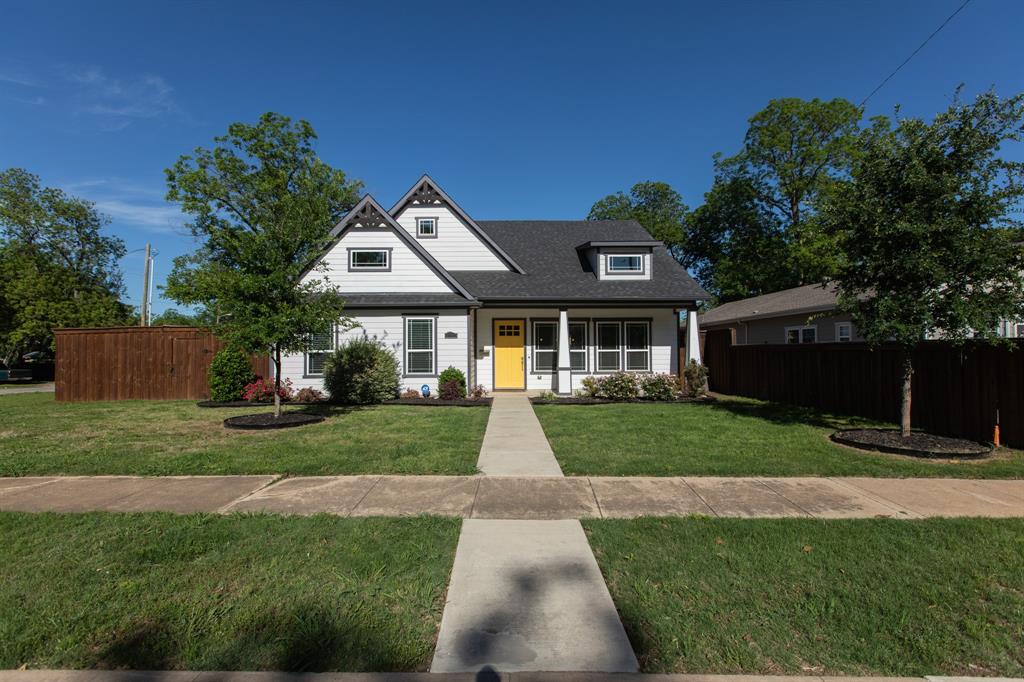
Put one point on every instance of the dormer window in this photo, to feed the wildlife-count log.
(426, 228)
(369, 259)
(625, 263)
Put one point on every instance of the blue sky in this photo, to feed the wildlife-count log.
(520, 110)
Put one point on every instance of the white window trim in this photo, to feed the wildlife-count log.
(326, 351)
(419, 228)
(622, 350)
(386, 267)
(577, 351)
(598, 350)
(626, 350)
(534, 349)
(624, 271)
(849, 336)
(432, 350)
(801, 328)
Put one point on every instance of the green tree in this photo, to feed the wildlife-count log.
(655, 205)
(173, 316)
(769, 196)
(923, 224)
(263, 204)
(57, 268)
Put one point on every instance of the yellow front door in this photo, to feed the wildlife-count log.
(509, 354)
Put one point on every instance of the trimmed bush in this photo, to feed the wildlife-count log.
(361, 372)
(453, 374)
(620, 386)
(695, 378)
(229, 374)
(308, 395)
(451, 390)
(411, 393)
(660, 386)
(590, 387)
(478, 392)
(262, 390)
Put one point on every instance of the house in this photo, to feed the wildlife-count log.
(804, 314)
(534, 305)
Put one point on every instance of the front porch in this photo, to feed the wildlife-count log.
(554, 348)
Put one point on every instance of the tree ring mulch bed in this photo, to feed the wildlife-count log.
(605, 401)
(267, 420)
(246, 403)
(917, 444)
(437, 402)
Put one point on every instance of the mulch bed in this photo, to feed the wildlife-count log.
(267, 420)
(246, 403)
(437, 402)
(917, 444)
(606, 401)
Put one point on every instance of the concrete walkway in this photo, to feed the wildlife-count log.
(527, 498)
(514, 442)
(14, 389)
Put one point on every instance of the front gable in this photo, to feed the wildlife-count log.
(371, 253)
(453, 238)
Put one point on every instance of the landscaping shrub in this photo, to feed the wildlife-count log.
(660, 386)
(452, 374)
(411, 393)
(590, 387)
(478, 392)
(547, 396)
(308, 395)
(452, 390)
(620, 386)
(229, 374)
(361, 372)
(695, 378)
(262, 390)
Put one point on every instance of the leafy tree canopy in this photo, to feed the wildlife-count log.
(173, 316)
(57, 268)
(263, 204)
(766, 199)
(926, 227)
(655, 205)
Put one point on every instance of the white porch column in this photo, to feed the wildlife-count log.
(564, 364)
(692, 337)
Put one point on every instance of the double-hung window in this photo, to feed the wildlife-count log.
(319, 347)
(843, 332)
(578, 346)
(627, 263)
(369, 259)
(609, 346)
(426, 227)
(801, 334)
(545, 346)
(419, 346)
(638, 346)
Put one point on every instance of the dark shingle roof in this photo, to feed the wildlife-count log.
(808, 298)
(546, 250)
(405, 300)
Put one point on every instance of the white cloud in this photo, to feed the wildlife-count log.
(130, 203)
(120, 100)
(19, 79)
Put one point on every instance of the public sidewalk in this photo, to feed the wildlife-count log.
(526, 498)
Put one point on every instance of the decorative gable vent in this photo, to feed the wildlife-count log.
(369, 216)
(426, 195)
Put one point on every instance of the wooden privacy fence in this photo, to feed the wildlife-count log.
(956, 391)
(137, 363)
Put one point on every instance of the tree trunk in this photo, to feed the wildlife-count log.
(276, 381)
(908, 376)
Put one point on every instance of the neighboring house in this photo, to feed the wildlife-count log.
(804, 314)
(513, 304)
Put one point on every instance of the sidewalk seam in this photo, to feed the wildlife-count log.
(700, 497)
(792, 502)
(597, 502)
(369, 490)
(224, 508)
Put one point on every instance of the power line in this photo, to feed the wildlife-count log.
(912, 54)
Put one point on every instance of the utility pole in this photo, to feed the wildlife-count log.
(144, 317)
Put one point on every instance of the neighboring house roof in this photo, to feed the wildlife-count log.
(556, 271)
(806, 299)
(426, 192)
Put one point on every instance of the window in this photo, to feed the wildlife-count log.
(508, 330)
(419, 345)
(545, 346)
(578, 346)
(608, 346)
(625, 263)
(369, 259)
(843, 332)
(319, 345)
(638, 346)
(1019, 330)
(426, 227)
(801, 334)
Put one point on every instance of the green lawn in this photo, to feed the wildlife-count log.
(157, 591)
(730, 437)
(41, 436)
(795, 596)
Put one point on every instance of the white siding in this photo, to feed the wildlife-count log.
(456, 247)
(664, 339)
(387, 327)
(408, 272)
